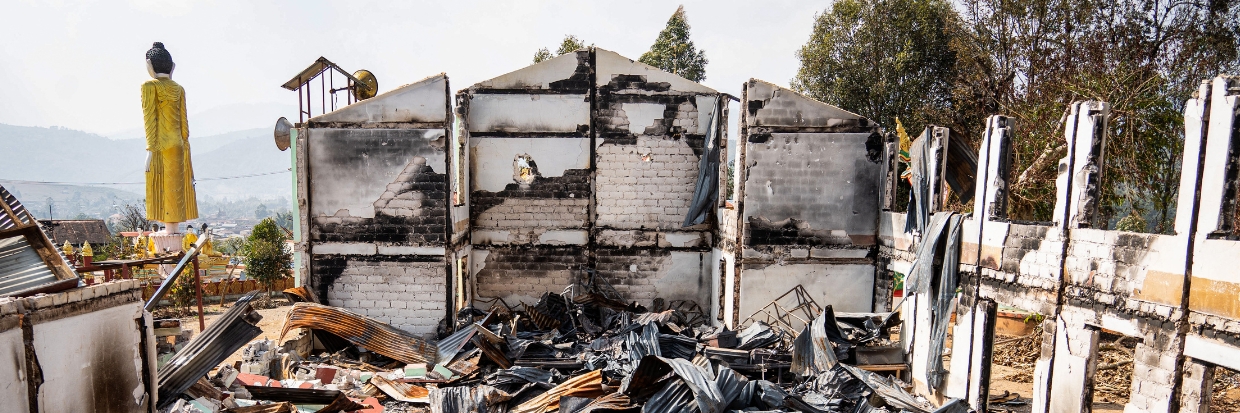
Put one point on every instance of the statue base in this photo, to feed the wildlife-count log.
(167, 244)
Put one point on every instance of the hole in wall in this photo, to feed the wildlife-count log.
(1224, 390)
(1016, 347)
(1113, 371)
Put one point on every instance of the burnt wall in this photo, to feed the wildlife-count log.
(406, 291)
(383, 186)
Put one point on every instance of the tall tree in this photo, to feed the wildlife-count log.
(886, 59)
(1144, 57)
(569, 44)
(674, 52)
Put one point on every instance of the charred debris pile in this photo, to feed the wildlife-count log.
(581, 351)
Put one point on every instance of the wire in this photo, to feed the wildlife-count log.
(19, 181)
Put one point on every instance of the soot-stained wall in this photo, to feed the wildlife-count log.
(587, 161)
(382, 186)
(377, 193)
(810, 192)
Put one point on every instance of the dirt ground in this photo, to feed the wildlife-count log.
(272, 322)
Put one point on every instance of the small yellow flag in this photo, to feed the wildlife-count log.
(905, 142)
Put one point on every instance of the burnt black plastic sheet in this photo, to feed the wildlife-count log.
(920, 169)
(757, 335)
(939, 287)
(653, 370)
(812, 352)
(706, 189)
(467, 399)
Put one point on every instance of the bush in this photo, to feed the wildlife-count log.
(266, 260)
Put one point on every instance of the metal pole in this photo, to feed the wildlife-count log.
(198, 292)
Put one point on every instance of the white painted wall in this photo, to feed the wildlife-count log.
(846, 287)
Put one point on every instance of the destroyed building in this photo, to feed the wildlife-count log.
(592, 164)
(598, 174)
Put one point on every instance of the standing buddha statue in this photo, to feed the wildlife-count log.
(170, 197)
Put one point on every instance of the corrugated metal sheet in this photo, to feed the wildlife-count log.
(21, 267)
(373, 335)
(227, 334)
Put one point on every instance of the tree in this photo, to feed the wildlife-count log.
(285, 220)
(569, 44)
(674, 52)
(261, 212)
(130, 218)
(887, 59)
(1145, 57)
(266, 259)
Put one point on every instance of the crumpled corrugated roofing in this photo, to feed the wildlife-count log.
(360, 330)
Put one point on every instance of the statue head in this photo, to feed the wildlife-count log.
(159, 61)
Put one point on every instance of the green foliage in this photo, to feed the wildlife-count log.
(117, 247)
(886, 59)
(285, 220)
(266, 259)
(183, 294)
(1144, 57)
(229, 246)
(674, 52)
(926, 63)
(261, 211)
(1131, 223)
(569, 44)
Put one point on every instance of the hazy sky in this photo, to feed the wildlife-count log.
(79, 63)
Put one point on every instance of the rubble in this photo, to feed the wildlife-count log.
(585, 355)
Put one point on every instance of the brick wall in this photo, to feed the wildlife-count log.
(523, 274)
(647, 184)
(405, 292)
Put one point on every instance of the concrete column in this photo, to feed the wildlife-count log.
(1154, 367)
(1194, 154)
(1196, 386)
(994, 164)
(1219, 167)
(1080, 171)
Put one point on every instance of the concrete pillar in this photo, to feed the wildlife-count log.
(1194, 154)
(1196, 386)
(1154, 367)
(1080, 171)
(1218, 189)
(994, 165)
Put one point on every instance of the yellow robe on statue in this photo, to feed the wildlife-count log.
(170, 193)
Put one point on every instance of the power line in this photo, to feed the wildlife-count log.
(19, 181)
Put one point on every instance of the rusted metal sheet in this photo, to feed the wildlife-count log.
(585, 385)
(404, 392)
(281, 407)
(333, 400)
(492, 352)
(300, 295)
(360, 330)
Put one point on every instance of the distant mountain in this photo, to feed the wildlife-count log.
(224, 119)
(63, 155)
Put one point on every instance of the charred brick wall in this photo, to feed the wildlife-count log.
(520, 274)
(407, 292)
(586, 161)
(809, 193)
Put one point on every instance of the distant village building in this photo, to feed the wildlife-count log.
(77, 231)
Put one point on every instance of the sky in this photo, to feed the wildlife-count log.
(79, 63)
